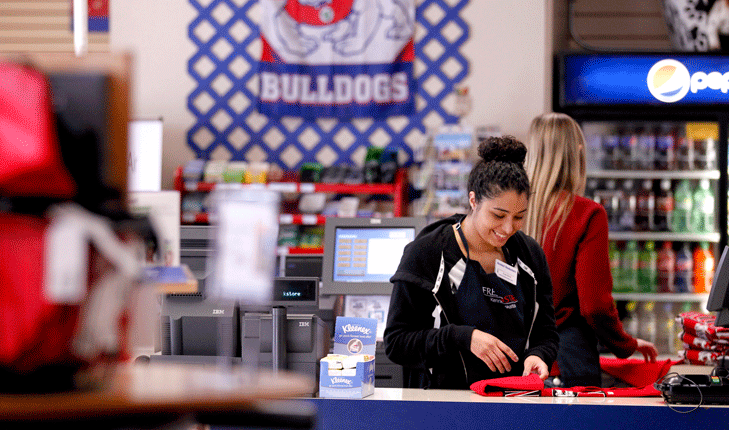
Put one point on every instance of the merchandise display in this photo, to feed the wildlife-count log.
(446, 164)
(703, 342)
(305, 205)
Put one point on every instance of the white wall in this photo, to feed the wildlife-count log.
(156, 33)
(509, 51)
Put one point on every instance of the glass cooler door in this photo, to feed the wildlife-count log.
(658, 182)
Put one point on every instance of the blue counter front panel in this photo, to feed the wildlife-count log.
(390, 414)
(644, 80)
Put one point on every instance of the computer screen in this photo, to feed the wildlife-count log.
(718, 298)
(361, 254)
(296, 292)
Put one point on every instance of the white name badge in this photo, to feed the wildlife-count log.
(506, 272)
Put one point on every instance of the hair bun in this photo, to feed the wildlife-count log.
(502, 148)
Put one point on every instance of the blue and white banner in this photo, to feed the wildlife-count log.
(337, 58)
(650, 79)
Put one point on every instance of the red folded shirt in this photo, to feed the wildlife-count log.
(636, 372)
(702, 325)
(699, 342)
(509, 385)
(533, 385)
(700, 357)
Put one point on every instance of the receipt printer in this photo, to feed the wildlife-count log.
(307, 340)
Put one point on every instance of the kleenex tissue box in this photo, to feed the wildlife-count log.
(349, 373)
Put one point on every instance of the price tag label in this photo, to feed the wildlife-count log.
(309, 219)
(307, 188)
(284, 187)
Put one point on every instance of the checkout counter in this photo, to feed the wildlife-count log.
(463, 409)
(437, 409)
(393, 407)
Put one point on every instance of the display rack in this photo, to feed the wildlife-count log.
(395, 190)
(654, 174)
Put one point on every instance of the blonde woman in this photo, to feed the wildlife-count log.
(573, 231)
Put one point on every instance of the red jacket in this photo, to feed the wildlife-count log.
(581, 277)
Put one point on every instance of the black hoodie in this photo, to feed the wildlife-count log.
(423, 331)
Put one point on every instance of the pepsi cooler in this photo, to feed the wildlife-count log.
(650, 118)
(656, 128)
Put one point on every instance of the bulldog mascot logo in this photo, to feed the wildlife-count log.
(364, 46)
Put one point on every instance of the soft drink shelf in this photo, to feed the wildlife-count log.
(662, 297)
(664, 236)
(653, 174)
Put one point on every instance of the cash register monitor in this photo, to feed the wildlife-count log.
(361, 254)
(718, 298)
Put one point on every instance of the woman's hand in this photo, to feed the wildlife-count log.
(534, 364)
(648, 350)
(492, 351)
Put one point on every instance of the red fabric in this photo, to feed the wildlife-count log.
(700, 357)
(525, 384)
(636, 372)
(697, 342)
(579, 266)
(30, 158)
(702, 325)
(692, 331)
(646, 391)
(34, 331)
(488, 387)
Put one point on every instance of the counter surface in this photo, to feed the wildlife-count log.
(411, 408)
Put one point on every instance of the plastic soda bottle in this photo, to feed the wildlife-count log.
(705, 154)
(591, 186)
(610, 200)
(703, 207)
(664, 206)
(645, 207)
(649, 322)
(683, 282)
(646, 149)
(614, 257)
(595, 152)
(669, 328)
(665, 156)
(629, 267)
(666, 264)
(627, 206)
(628, 147)
(648, 268)
(683, 198)
(631, 319)
(703, 268)
(611, 151)
(684, 153)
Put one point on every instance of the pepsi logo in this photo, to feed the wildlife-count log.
(668, 81)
